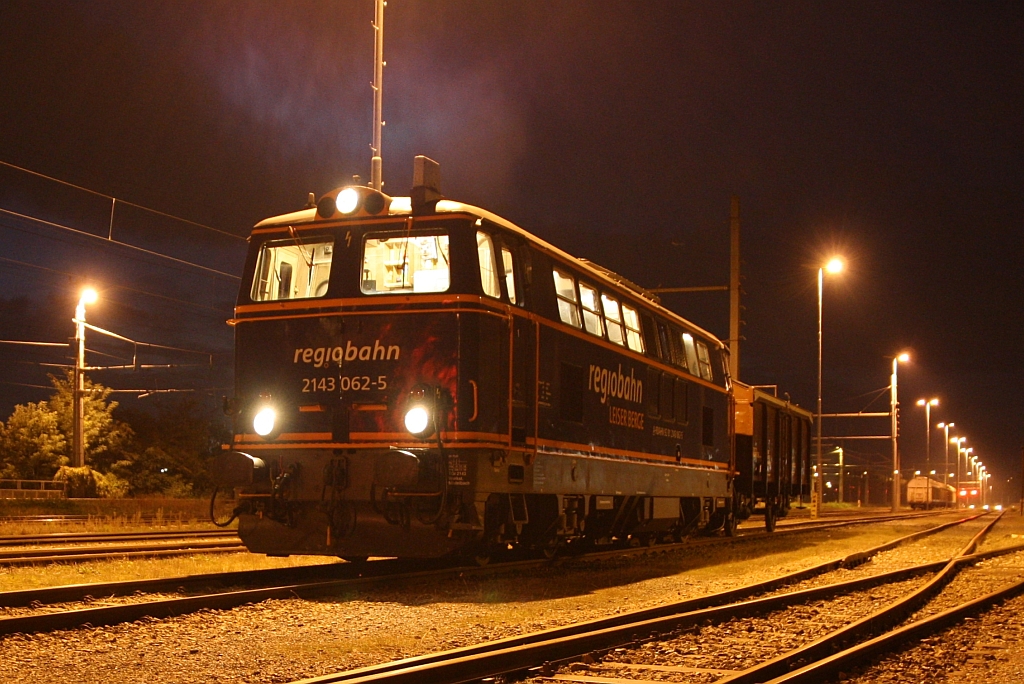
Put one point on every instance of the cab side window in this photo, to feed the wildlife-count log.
(508, 268)
(488, 269)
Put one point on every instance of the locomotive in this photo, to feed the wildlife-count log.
(417, 377)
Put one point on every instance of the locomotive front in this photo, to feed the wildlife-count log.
(348, 407)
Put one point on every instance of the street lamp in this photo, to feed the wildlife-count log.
(78, 429)
(945, 461)
(927, 403)
(893, 404)
(982, 474)
(959, 442)
(842, 474)
(834, 265)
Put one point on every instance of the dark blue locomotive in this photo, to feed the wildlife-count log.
(418, 377)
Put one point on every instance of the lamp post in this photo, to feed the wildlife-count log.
(982, 475)
(945, 460)
(970, 462)
(835, 265)
(958, 441)
(893, 405)
(78, 429)
(927, 403)
(842, 473)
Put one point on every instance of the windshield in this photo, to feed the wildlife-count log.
(400, 263)
(293, 269)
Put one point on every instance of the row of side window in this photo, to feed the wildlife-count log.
(582, 306)
(681, 349)
(597, 313)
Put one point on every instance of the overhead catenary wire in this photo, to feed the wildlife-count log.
(109, 241)
(151, 345)
(111, 390)
(36, 344)
(215, 310)
(63, 232)
(115, 200)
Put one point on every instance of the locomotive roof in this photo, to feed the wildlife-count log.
(402, 206)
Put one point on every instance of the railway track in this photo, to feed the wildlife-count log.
(599, 651)
(92, 537)
(38, 549)
(48, 609)
(186, 542)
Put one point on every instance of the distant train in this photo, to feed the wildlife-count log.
(418, 377)
(924, 492)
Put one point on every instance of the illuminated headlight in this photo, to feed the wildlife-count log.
(417, 419)
(264, 421)
(348, 200)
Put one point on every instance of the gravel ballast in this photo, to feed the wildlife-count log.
(283, 640)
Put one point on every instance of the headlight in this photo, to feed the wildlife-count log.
(417, 420)
(263, 422)
(348, 200)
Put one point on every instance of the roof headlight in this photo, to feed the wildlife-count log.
(348, 200)
(264, 420)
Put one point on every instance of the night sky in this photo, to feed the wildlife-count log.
(889, 133)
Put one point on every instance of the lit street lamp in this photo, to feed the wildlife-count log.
(959, 442)
(78, 429)
(945, 462)
(842, 474)
(893, 404)
(835, 265)
(928, 430)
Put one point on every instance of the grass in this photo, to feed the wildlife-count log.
(195, 508)
(105, 515)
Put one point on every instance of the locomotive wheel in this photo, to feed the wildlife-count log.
(481, 559)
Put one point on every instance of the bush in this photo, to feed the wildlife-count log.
(86, 483)
(79, 483)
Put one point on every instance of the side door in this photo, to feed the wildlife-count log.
(523, 342)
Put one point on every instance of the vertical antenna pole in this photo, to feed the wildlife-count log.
(376, 182)
(734, 289)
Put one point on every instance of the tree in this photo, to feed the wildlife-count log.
(31, 446)
(37, 438)
(106, 438)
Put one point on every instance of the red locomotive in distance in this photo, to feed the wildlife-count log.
(418, 377)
